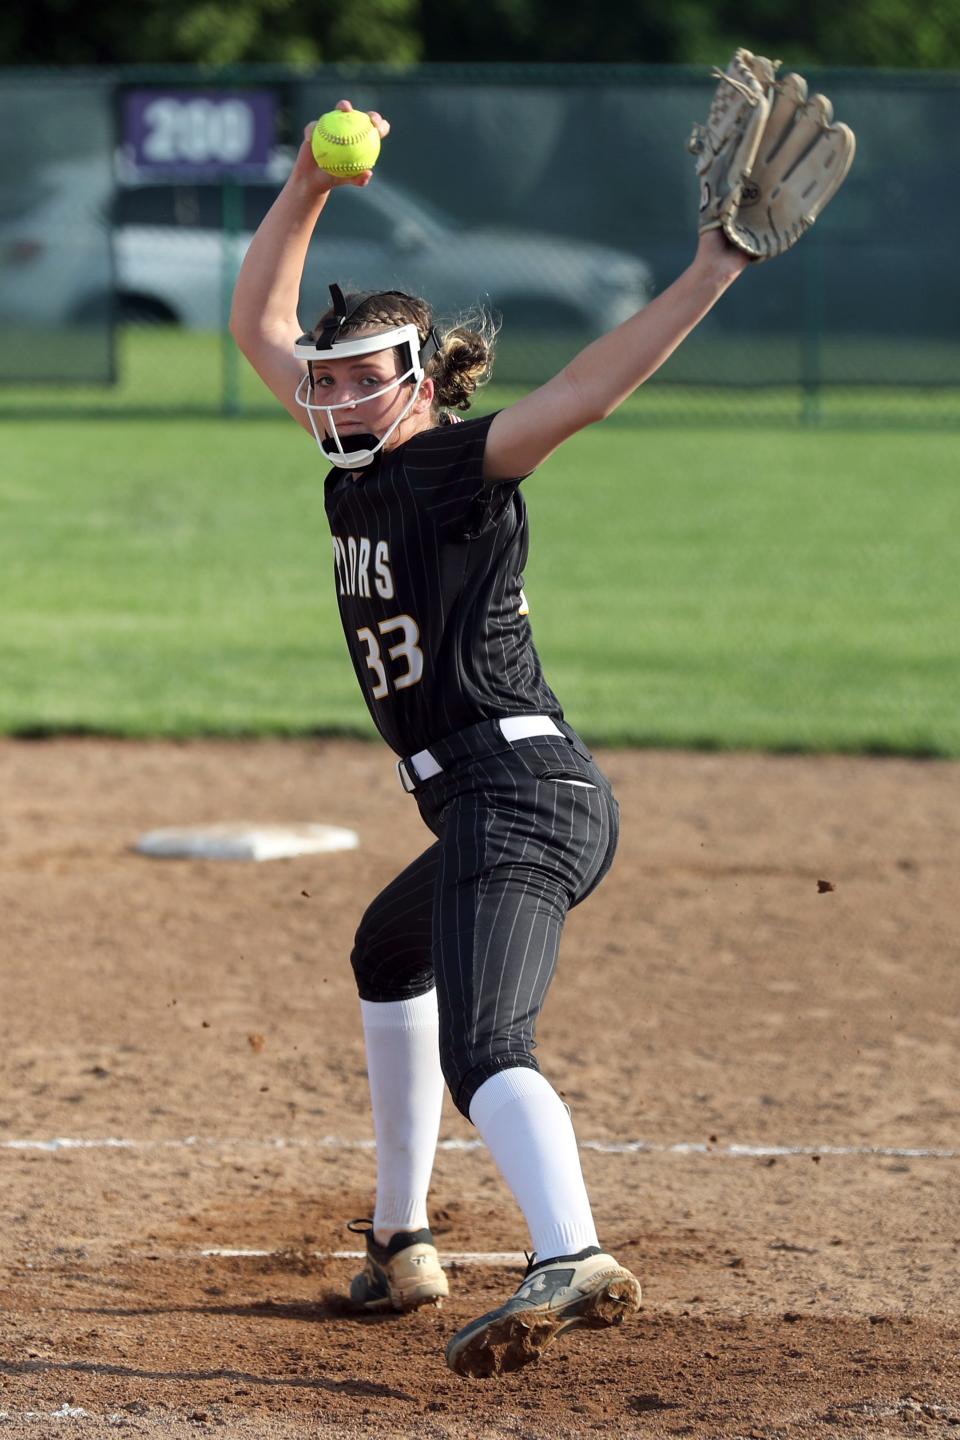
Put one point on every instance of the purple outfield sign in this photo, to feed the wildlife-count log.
(203, 134)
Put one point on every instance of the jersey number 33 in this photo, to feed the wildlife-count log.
(405, 655)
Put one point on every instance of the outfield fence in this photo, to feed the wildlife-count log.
(560, 198)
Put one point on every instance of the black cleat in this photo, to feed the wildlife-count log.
(588, 1289)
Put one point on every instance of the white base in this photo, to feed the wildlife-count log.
(243, 840)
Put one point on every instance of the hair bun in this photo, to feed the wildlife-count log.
(464, 361)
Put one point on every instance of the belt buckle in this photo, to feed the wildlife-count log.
(408, 783)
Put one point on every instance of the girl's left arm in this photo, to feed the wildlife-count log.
(601, 377)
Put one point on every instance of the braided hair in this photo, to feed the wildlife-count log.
(464, 360)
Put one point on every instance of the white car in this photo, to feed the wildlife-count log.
(54, 249)
(174, 263)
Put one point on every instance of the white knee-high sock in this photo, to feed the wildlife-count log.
(528, 1131)
(406, 1093)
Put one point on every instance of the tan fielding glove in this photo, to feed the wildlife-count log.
(726, 147)
(798, 164)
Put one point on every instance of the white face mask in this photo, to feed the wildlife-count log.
(365, 446)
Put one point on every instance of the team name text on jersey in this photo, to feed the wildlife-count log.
(352, 555)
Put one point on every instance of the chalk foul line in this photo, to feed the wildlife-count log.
(732, 1151)
(448, 1257)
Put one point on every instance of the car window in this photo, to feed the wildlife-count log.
(407, 209)
(350, 215)
(183, 207)
(257, 200)
(152, 205)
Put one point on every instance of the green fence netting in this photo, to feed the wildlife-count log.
(56, 255)
(560, 198)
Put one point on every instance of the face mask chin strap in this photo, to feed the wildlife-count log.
(365, 444)
(312, 349)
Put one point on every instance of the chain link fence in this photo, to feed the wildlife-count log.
(561, 198)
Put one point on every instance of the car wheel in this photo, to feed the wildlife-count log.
(143, 310)
(123, 310)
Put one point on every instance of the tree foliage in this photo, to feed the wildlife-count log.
(893, 33)
(209, 32)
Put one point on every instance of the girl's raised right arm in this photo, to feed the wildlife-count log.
(263, 319)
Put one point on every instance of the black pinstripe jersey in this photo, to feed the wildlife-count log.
(428, 564)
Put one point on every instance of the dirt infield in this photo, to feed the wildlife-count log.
(764, 992)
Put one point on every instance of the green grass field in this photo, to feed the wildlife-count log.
(691, 585)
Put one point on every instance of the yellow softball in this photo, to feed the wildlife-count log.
(345, 142)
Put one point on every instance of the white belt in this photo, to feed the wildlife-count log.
(424, 765)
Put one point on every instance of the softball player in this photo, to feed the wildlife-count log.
(453, 960)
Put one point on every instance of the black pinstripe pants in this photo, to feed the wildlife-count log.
(524, 832)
